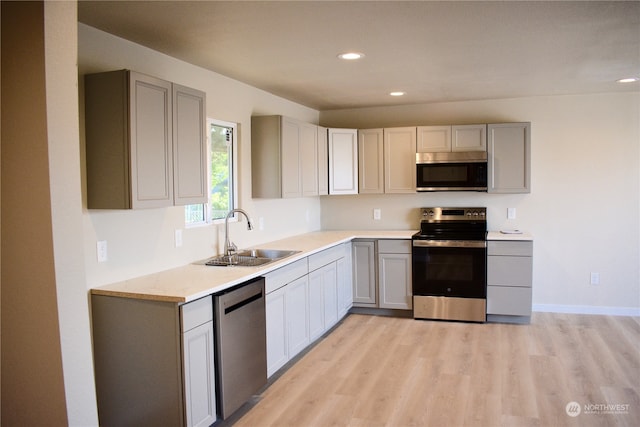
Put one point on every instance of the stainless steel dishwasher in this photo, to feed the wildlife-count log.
(241, 344)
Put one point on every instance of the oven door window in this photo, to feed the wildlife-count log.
(453, 272)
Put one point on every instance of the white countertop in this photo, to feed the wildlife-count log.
(193, 281)
(509, 235)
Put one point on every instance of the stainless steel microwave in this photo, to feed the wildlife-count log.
(454, 171)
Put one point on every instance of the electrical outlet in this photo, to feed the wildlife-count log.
(595, 278)
(261, 223)
(377, 214)
(178, 238)
(101, 251)
(511, 213)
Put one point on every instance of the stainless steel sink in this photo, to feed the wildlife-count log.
(250, 258)
(272, 254)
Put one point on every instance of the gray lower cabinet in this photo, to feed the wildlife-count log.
(286, 306)
(382, 273)
(303, 300)
(154, 362)
(345, 289)
(394, 274)
(364, 273)
(509, 280)
(199, 363)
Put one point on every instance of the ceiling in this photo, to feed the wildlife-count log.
(433, 51)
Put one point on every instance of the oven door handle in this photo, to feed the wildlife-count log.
(450, 243)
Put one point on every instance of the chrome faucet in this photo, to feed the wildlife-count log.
(229, 247)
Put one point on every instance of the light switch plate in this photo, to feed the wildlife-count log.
(377, 214)
(511, 213)
(178, 238)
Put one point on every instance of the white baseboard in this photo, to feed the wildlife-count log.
(587, 309)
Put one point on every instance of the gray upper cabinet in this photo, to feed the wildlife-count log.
(143, 137)
(469, 138)
(433, 139)
(189, 146)
(387, 160)
(323, 162)
(343, 161)
(370, 161)
(284, 158)
(438, 139)
(400, 160)
(509, 157)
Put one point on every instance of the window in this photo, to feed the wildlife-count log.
(222, 175)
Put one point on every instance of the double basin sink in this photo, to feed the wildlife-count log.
(250, 258)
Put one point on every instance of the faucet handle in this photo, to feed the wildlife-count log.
(231, 248)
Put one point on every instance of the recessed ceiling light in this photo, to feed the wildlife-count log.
(350, 56)
(396, 93)
(628, 80)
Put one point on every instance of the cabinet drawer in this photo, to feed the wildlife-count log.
(323, 258)
(512, 301)
(196, 313)
(509, 271)
(394, 246)
(519, 248)
(287, 274)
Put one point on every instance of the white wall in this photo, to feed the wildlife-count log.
(142, 242)
(584, 208)
(66, 211)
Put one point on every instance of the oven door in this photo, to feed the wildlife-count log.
(463, 176)
(450, 268)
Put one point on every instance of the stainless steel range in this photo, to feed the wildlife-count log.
(449, 257)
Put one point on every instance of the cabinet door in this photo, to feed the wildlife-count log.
(290, 152)
(189, 146)
(433, 139)
(345, 289)
(297, 317)
(277, 346)
(509, 271)
(370, 161)
(394, 278)
(309, 159)
(323, 162)
(469, 138)
(316, 305)
(509, 158)
(343, 161)
(151, 141)
(330, 295)
(199, 376)
(509, 300)
(400, 160)
(364, 275)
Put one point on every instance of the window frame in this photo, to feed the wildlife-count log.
(233, 175)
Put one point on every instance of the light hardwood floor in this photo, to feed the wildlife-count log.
(382, 371)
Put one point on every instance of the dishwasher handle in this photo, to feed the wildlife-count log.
(240, 304)
(236, 298)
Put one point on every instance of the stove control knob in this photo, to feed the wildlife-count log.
(469, 213)
(475, 214)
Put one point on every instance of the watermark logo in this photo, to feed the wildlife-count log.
(573, 409)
